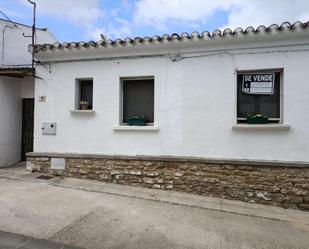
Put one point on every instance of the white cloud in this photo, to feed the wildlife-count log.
(121, 31)
(267, 12)
(94, 33)
(80, 12)
(159, 13)
(118, 28)
(86, 15)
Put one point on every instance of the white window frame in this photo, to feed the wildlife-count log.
(78, 93)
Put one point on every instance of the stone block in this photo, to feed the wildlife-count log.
(149, 180)
(105, 177)
(135, 172)
(179, 173)
(151, 173)
(304, 206)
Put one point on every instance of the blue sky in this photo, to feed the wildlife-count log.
(77, 20)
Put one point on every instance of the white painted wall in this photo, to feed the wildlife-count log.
(14, 51)
(14, 46)
(10, 121)
(195, 107)
(11, 93)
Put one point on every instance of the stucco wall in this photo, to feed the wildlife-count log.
(11, 93)
(195, 107)
(14, 46)
(14, 52)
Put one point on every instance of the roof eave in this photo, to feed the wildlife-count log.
(16, 72)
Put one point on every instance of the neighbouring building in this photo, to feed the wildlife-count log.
(17, 90)
(226, 113)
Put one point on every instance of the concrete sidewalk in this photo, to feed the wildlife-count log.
(15, 241)
(90, 214)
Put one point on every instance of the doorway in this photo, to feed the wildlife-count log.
(27, 127)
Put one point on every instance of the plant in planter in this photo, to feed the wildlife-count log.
(83, 105)
(138, 120)
(257, 118)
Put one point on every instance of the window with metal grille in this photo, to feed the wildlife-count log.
(267, 102)
(138, 98)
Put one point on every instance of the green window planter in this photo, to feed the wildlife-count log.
(136, 121)
(257, 120)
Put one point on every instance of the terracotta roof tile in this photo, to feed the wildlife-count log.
(184, 37)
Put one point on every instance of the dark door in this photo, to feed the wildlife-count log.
(27, 127)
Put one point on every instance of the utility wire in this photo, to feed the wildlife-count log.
(8, 18)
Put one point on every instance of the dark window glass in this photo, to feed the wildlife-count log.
(86, 91)
(138, 99)
(265, 104)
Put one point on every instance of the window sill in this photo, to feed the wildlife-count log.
(82, 111)
(136, 128)
(261, 127)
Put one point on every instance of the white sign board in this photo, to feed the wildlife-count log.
(258, 83)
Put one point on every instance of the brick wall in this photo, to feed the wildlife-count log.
(273, 183)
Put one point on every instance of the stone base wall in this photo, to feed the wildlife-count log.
(274, 183)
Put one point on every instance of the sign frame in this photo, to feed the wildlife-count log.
(258, 93)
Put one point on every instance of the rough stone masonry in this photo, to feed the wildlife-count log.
(273, 183)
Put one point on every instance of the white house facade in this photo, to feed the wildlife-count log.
(16, 88)
(196, 94)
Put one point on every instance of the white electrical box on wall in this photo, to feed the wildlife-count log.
(49, 128)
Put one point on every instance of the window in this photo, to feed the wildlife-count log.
(138, 98)
(84, 93)
(258, 92)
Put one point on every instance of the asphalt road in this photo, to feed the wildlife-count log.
(59, 213)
